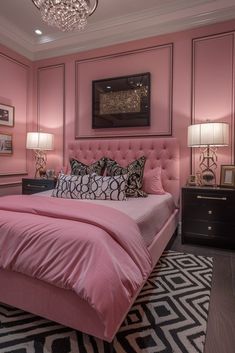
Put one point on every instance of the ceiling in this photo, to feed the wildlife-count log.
(114, 21)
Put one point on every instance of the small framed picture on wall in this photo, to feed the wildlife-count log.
(227, 176)
(6, 146)
(6, 115)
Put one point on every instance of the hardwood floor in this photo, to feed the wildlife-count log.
(220, 336)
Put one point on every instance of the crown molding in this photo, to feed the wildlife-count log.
(167, 18)
(15, 39)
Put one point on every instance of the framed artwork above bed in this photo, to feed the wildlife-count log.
(121, 101)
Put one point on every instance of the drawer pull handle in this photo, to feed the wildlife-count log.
(211, 198)
(209, 228)
(210, 212)
(36, 186)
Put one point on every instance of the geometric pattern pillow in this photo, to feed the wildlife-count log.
(108, 188)
(79, 168)
(135, 171)
(72, 187)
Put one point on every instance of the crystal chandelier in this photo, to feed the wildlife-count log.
(67, 15)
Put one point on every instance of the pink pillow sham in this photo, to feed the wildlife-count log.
(152, 183)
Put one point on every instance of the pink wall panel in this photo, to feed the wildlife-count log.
(51, 105)
(213, 88)
(157, 61)
(14, 91)
(182, 101)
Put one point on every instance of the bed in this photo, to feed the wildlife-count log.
(63, 305)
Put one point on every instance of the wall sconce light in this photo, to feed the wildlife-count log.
(40, 142)
(208, 136)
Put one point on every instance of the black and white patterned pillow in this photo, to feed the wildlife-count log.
(72, 187)
(135, 171)
(107, 187)
(79, 168)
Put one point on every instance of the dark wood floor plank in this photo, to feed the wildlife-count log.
(233, 273)
(221, 322)
(220, 336)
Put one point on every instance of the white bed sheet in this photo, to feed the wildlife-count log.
(150, 213)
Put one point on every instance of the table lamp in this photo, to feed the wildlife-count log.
(208, 136)
(40, 142)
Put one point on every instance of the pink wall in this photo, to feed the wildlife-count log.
(193, 80)
(50, 109)
(15, 90)
(213, 86)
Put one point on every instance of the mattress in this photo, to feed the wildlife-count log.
(150, 213)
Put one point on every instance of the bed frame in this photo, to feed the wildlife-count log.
(64, 306)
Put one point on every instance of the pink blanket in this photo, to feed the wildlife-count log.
(94, 250)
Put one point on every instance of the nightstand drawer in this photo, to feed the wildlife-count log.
(208, 211)
(211, 240)
(32, 186)
(207, 228)
(212, 198)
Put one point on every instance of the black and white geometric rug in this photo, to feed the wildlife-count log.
(169, 316)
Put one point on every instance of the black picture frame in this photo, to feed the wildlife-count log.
(6, 144)
(121, 101)
(7, 113)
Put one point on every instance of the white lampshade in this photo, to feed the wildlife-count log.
(213, 134)
(40, 141)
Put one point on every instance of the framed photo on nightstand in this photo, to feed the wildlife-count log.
(227, 176)
(191, 180)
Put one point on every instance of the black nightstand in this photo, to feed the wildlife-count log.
(32, 186)
(208, 216)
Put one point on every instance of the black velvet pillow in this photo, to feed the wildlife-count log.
(79, 168)
(135, 171)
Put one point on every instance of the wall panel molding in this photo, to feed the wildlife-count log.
(51, 108)
(213, 88)
(16, 92)
(13, 183)
(158, 60)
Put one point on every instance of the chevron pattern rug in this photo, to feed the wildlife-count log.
(169, 316)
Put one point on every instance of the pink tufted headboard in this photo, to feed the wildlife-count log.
(162, 152)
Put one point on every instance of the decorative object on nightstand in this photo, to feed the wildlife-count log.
(32, 186)
(40, 142)
(208, 216)
(227, 176)
(208, 136)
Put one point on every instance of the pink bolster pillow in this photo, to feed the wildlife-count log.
(152, 183)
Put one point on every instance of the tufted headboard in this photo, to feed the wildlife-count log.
(162, 152)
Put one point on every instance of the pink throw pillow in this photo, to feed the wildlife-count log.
(62, 169)
(152, 183)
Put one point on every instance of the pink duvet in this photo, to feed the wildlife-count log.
(94, 250)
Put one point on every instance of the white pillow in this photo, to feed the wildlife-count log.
(107, 187)
(72, 187)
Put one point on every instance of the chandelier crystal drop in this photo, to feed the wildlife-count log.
(67, 15)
